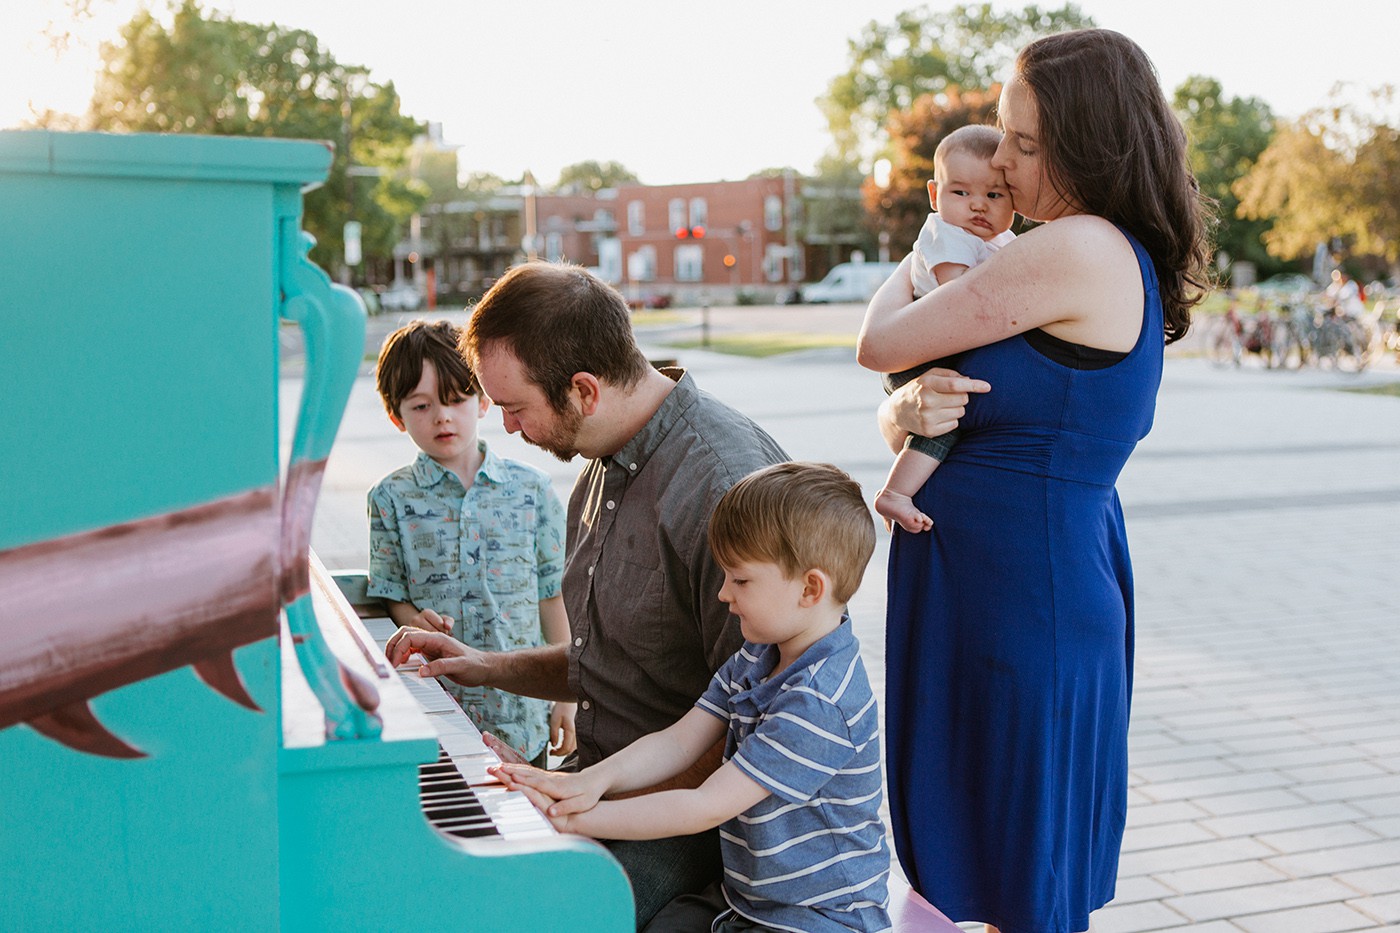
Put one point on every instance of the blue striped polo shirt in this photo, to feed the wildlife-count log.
(812, 856)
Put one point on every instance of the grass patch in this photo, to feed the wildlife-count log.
(644, 318)
(767, 344)
(1388, 388)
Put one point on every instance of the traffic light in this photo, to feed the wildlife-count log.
(729, 260)
(685, 233)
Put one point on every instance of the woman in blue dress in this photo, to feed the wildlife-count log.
(1010, 623)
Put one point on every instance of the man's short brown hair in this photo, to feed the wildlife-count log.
(401, 359)
(557, 320)
(800, 516)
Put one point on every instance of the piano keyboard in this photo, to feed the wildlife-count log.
(458, 796)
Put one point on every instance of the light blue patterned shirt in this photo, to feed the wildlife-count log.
(811, 857)
(485, 556)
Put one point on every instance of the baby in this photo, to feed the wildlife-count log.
(971, 220)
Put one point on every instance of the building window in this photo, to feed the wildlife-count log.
(641, 265)
(636, 218)
(773, 262)
(699, 213)
(676, 214)
(773, 212)
(690, 262)
(610, 260)
(553, 247)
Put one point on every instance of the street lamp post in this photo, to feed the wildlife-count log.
(532, 250)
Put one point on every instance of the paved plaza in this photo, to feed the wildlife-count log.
(1264, 516)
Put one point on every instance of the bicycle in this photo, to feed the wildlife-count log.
(1343, 343)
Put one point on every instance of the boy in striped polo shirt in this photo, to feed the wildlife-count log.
(798, 797)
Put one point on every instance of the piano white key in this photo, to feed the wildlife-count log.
(508, 811)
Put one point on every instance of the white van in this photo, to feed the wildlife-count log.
(849, 281)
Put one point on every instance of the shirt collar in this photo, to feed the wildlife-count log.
(636, 452)
(428, 472)
(837, 643)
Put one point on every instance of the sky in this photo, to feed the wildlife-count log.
(698, 91)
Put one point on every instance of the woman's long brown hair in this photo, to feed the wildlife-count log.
(1115, 148)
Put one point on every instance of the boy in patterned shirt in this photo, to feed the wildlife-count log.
(463, 541)
(797, 799)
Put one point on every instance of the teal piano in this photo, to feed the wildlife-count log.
(198, 728)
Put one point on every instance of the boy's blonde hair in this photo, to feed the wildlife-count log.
(799, 516)
(975, 139)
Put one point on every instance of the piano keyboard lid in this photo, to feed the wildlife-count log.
(408, 734)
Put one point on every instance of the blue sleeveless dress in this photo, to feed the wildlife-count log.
(1010, 641)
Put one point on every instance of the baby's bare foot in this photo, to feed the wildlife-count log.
(897, 507)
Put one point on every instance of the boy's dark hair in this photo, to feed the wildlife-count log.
(557, 320)
(401, 359)
(976, 139)
(1114, 146)
(800, 516)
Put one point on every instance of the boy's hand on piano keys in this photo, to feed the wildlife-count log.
(445, 656)
(542, 803)
(506, 752)
(557, 794)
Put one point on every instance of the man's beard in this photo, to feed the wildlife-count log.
(562, 438)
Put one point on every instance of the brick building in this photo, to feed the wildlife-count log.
(721, 242)
(712, 240)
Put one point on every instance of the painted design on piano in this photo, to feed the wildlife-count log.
(94, 611)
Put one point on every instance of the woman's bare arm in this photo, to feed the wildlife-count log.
(1077, 277)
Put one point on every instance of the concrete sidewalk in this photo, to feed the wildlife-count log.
(1264, 516)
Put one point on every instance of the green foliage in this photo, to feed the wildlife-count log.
(1332, 175)
(900, 208)
(833, 215)
(208, 73)
(927, 51)
(592, 176)
(1226, 137)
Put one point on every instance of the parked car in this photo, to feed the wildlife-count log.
(371, 299)
(401, 296)
(849, 281)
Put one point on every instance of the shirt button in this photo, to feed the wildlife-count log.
(632, 467)
(612, 504)
(590, 571)
(578, 642)
(585, 704)
(471, 560)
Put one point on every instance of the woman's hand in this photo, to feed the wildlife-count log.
(930, 405)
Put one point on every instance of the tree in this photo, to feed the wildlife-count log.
(1226, 137)
(1333, 175)
(208, 73)
(926, 51)
(898, 210)
(834, 219)
(592, 176)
